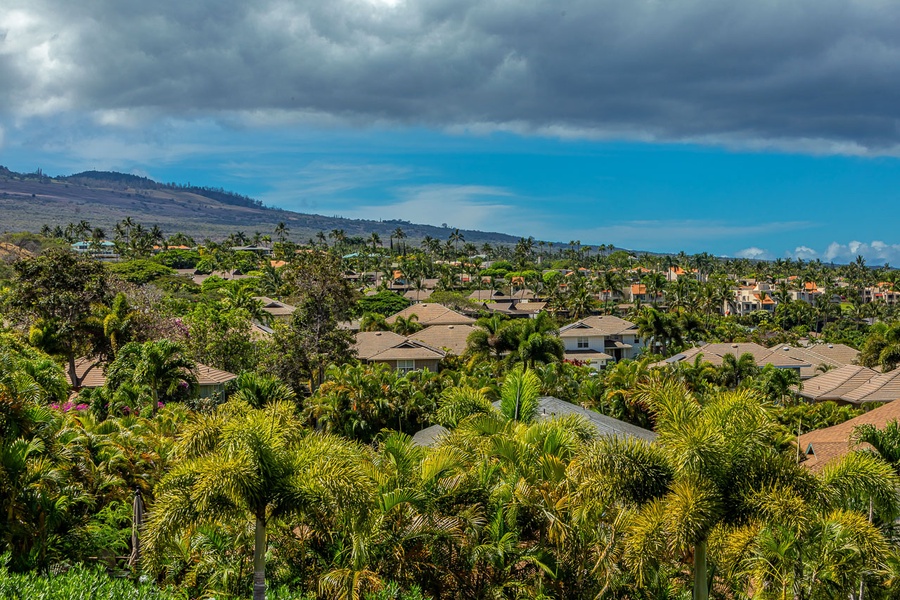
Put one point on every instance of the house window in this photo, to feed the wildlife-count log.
(583, 343)
(405, 366)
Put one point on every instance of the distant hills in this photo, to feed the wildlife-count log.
(30, 200)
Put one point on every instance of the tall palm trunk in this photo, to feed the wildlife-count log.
(259, 561)
(701, 590)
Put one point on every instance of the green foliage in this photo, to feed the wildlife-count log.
(815, 415)
(383, 303)
(78, 582)
(519, 394)
(140, 270)
(313, 339)
(178, 259)
(54, 294)
(220, 337)
(453, 300)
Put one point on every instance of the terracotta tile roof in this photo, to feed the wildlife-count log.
(277, 263)
(448, 337)
(833, 384)
(96, 377)
(524, 294)
(602, 325)
(638, 288)
(432, 314)
(825, 445)
(884, 387)
(530, 307)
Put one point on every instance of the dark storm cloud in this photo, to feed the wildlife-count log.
(799, 72)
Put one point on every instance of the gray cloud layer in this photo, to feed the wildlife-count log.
(813, 75)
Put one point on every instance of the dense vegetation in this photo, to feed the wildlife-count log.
(300, 477)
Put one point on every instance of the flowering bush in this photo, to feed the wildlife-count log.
(67, 406)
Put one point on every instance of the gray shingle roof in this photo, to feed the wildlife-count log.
(550, 407)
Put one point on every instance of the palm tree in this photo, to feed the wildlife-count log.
(707, 470)
(456, 237)
(734, 370)
(372, 321)
(375, 239)
(260, 390)
(491, 337)
(519, 395)
(161, 365)
(118, 321)
(406, 325)
(658, 328)
(400, 235)
(535, 340)
(254, 465)
(282, 231)
(885, 441)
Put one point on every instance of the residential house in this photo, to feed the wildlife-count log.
(209, 380)
(600, 340)
(550, 408)
(715, 355)
(418, 295)
(604, 426)
(450, 338)
(279, 311)
(748, 299)
(821, 447)
(431, 314)
(834, 384)
(400, 353)
(820, 357)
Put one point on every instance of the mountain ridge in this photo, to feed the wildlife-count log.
(30, 200)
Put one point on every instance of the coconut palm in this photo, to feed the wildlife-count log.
(658, 328)
(282, 231)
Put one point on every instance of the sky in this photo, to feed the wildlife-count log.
(761, 129)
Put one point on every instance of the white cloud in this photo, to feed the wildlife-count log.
(803, 252)
(876, 252)
(754, 253)
(461, 206)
